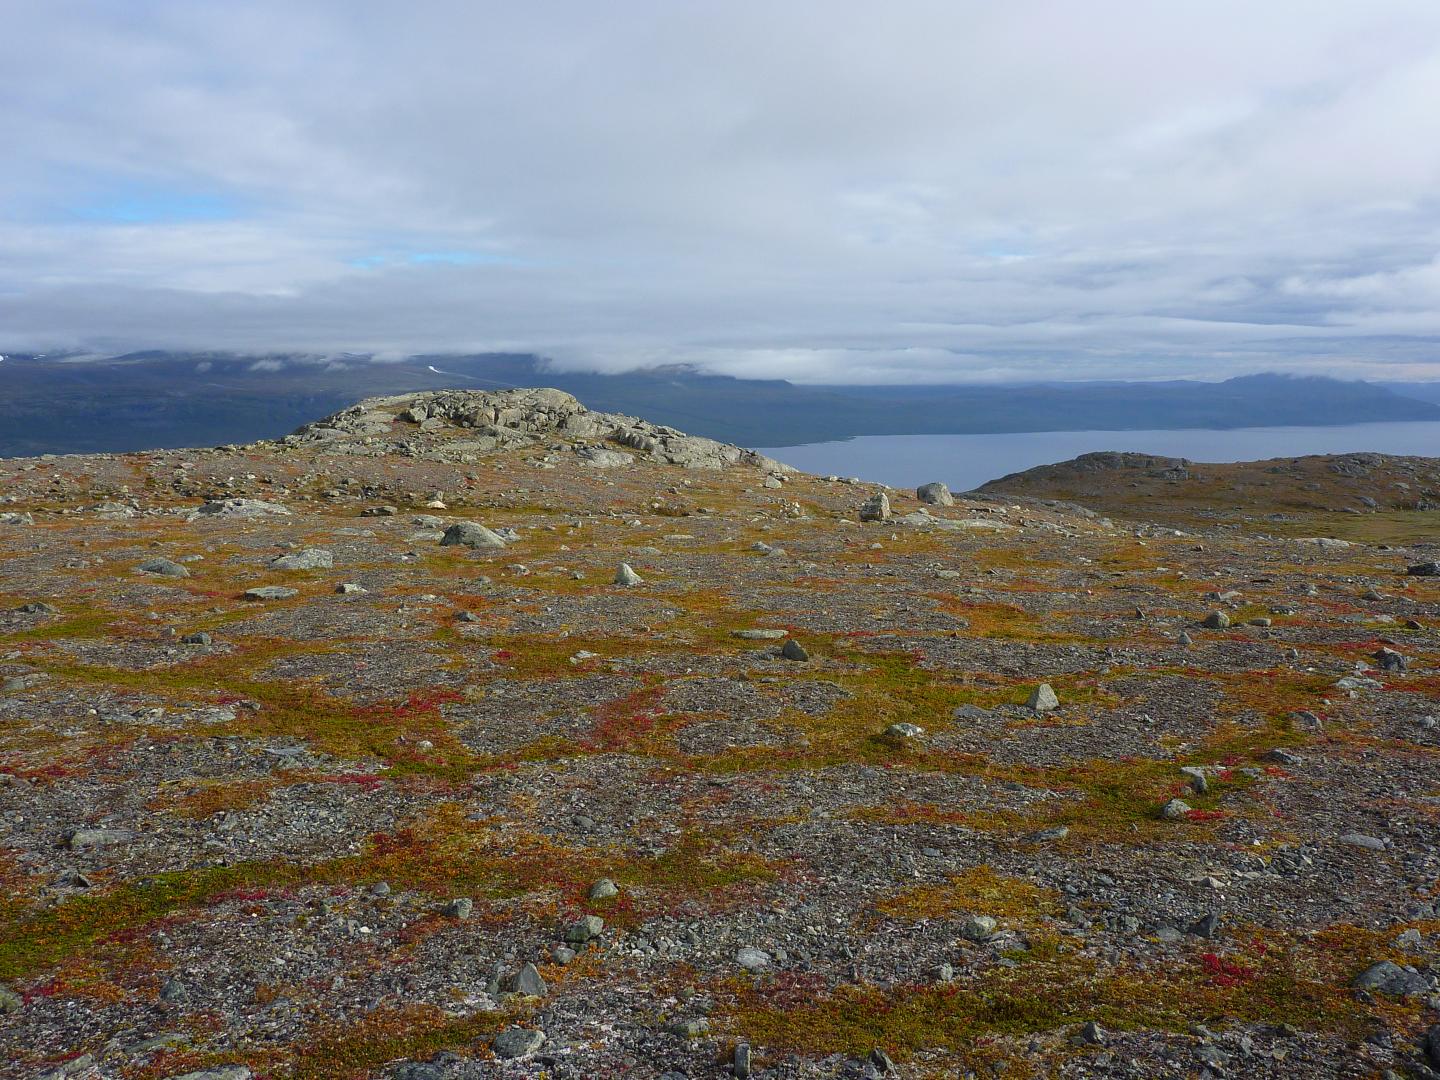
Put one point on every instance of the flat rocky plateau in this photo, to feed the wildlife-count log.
(479, 735)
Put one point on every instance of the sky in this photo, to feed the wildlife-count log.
(826, 191)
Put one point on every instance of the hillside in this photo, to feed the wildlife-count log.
(1362, 496)
(478, 735)
(156, 399)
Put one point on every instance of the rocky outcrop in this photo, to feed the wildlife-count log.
(471, 422)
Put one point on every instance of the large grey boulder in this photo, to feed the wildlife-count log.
(936, 494)
(470, 534)
(242, 508)
(309, 559)
(162, 568)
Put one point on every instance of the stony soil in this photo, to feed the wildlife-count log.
(323, 833)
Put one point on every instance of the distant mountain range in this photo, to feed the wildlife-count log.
(144, 400)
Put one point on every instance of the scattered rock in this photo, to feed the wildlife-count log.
(527, 981)
(271, 592)
(470, 534)
(793, 650)
(1390, 978)
(625, 575)
(1042, 699)
(1174, 810)
(585, 929)
(603, 889)
(753, 959)
(515, 1043)
(875, 508)
(935, 494)
(1216, 620)
(309, 559)
(163, 568)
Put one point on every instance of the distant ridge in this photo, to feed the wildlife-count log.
(155, 399)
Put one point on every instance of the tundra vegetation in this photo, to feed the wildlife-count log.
(403, 777)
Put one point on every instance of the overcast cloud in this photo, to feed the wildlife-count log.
(825, 191)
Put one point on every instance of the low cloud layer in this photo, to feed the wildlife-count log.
(834, 191)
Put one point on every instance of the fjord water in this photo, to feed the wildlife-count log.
(965, 462)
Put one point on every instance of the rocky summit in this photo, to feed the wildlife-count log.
(467, 735)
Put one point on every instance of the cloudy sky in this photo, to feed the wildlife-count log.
(827, 190)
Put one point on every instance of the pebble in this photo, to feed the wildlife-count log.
(459, 908)
(603, 889)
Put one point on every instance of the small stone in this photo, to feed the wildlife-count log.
(380, 888)
(459, 908)
(1424, 569)
(793, 650)
(1184, 640)
(197, 639)
(752, 959)
(224, 1072)
(10, 1001)
(1216, 620)
(470, 534)
(1199, 783)
(1092, 1034)
(1174, 810)
(585, 929)
(603, 889)
(905, 731)
(37, 607)
(562, 954)
(760, 635)
(349, 588)
(163, 568)
(514, 1043)
(466, 617)
(935, 494)
(527, 981)
(625, 575)
(271, 592)
(1042, 699)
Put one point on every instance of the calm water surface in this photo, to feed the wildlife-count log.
(967, 461)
